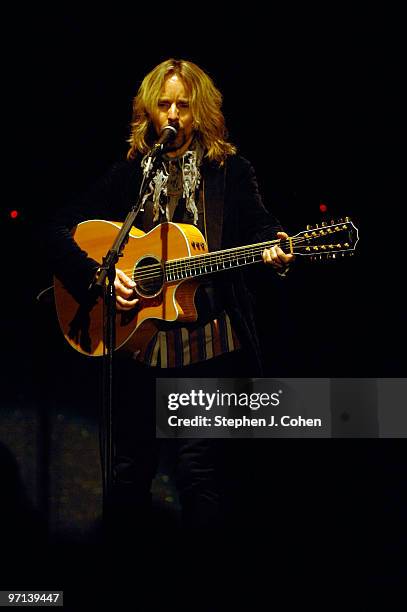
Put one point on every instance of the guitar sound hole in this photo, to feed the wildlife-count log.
(148, 276)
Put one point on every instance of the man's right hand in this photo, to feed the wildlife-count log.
(124, 287)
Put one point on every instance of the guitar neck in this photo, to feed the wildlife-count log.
(208, 263)
(326, 241)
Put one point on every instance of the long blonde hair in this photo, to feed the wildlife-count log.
(205, 104)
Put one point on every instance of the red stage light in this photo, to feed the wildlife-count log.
(14, 214)
(323, 207)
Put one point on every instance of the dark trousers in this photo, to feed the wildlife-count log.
(200, 463)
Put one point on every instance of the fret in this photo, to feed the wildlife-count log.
(200, 265)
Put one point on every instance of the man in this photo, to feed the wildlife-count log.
(199, 180)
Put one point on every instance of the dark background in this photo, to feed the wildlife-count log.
(314, 105)
(313, 100)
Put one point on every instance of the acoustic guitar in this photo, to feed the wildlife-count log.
(167, 264)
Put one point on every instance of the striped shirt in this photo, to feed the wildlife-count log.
(183, 346)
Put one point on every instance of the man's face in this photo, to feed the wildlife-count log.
(173, 109)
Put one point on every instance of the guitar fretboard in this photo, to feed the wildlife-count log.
(200, 265)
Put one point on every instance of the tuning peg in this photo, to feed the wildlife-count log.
(323, 224)
(309, 227)
(347, 219)
(316, 226)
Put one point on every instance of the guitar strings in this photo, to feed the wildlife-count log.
(211, 259)
(194, 262)
(224, 253)
(203, 261)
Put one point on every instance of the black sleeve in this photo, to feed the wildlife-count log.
(104, 200)
(256, 223)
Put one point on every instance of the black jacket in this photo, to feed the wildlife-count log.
(235, 216)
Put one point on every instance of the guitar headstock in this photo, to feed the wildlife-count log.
(326, 241)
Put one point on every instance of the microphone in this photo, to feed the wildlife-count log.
(168, 134)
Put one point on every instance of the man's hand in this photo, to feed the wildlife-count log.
(276, 256)
(124, 287)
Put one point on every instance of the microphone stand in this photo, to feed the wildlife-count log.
(104, 281)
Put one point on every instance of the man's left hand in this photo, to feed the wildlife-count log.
(276, 256)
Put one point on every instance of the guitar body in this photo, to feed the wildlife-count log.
(169, 301)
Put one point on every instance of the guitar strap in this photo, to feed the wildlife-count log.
(211, 201)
